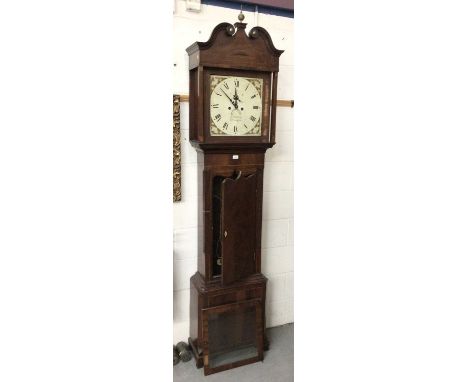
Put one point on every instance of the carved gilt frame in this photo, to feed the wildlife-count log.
(176, 168)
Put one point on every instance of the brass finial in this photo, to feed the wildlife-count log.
(241, 16)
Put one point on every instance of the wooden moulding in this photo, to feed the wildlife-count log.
(229, 43)
(176, 166)
(279, 103)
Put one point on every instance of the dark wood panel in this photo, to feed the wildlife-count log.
(238, 221)
(240, 159)
(213, 293)
(233, 333)
(193, 311)
(193, 83)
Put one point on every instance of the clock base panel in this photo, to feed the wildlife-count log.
(231, 312)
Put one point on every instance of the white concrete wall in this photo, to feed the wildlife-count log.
(278, 214)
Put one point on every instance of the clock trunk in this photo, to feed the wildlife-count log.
(229, 266)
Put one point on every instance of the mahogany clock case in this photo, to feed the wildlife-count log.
(227, 293)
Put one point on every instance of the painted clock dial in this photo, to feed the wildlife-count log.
(235, 106)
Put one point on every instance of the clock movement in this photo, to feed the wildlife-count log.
(232, 118)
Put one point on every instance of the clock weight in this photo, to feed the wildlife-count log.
(183, 351)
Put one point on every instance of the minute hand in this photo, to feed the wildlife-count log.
(229, 99)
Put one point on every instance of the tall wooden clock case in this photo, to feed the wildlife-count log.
(233, 82)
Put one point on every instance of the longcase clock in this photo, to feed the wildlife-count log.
(233, 82)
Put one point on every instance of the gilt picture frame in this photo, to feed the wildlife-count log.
(176, 154)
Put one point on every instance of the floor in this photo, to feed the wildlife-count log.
(277, 366)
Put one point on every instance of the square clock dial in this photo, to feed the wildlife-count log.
(235, 106)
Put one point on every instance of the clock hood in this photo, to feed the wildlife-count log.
(230, 43)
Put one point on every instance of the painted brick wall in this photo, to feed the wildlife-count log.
(278, 211)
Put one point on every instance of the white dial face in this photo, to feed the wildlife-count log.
(235, 106)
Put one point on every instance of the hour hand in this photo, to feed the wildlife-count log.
(236, 97)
